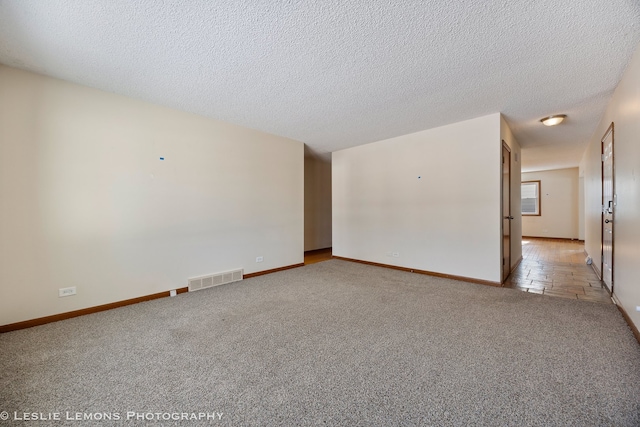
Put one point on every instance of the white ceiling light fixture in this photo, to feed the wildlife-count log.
(553, 120)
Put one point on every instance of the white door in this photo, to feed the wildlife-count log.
(608, 208)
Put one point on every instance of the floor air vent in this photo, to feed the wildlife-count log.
(203, 282)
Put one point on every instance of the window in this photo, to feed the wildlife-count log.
(531, 198)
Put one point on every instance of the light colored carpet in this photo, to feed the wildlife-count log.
(334, 343)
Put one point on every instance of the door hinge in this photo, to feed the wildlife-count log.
(602, 157)
(504, 261)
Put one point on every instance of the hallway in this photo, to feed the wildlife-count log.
(557, 268)
(319, 255)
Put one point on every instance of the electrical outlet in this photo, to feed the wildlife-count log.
(173, 293)
(66, 292)
(637, 307)
(396, 254)
(259, 259)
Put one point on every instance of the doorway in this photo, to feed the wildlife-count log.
(608, 208)
(506, 211)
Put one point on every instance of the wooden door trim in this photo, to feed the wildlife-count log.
(610, 130)
(504, 277)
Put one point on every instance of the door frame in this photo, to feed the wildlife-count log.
(610, 130)
(502, 217)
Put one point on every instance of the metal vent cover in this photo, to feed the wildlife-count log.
(215, 279)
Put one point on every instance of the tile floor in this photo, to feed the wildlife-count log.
(557, 268)
(551, 267)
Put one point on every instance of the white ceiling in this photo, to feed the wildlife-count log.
(335, 74)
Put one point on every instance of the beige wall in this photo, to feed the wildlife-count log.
(624, 111)
(432, 198)
(85, 200)
(516, 206)
(317, 203)
(581, 207)
(559, 205)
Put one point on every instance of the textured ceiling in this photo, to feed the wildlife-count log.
(335, 74)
